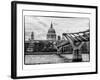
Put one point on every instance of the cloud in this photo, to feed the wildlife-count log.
(40, 25)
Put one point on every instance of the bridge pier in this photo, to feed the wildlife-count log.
(77, 56)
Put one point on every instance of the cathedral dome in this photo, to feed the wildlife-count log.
(51, 35)
(51, 30)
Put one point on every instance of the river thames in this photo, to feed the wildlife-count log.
(51, 58)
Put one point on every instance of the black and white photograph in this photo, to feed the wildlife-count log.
(53, 39)
(50, 40)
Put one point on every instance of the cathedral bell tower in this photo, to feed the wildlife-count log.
(32, 36)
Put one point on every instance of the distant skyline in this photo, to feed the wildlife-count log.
(40, 26)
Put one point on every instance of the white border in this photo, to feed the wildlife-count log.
(31, 70)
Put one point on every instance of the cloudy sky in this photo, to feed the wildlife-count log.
(40, 26)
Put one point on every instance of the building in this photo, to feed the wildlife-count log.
(59, 38)
(51, 35)
(32, 36)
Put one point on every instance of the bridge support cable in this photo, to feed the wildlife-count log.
(84, 38)
(70, 39)
(76, 36)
